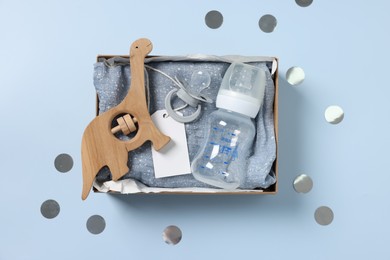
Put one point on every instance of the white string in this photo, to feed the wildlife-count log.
(181, 86)
(180, 108)
(177, 82)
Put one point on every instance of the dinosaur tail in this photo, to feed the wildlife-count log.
(89, 171)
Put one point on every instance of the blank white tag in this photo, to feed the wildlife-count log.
(172, 159)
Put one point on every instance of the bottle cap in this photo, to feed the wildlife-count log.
(242, 89)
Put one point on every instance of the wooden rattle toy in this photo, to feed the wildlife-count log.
(100, 147)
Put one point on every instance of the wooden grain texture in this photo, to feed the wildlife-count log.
(100, 147)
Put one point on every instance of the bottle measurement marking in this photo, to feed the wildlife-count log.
(225, 173)
(217, 129)
(224, 139)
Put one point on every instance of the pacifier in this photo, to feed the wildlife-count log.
(199, 80)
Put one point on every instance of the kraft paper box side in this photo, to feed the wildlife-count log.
(135, 187)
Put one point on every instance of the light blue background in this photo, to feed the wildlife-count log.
(47, 49)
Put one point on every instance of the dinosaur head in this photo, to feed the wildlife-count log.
(141, 47)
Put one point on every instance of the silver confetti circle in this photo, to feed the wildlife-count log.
(303, 183)
(50, 209)
(267, 23)
(334, 114)
(295, 75)
(323, 215)
(172, 235)
(96, 224)
(63, 162)
(304, 3)
(214, 19)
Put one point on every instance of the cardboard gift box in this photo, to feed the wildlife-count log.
(130, 186)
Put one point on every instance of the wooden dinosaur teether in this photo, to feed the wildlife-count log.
(100, 147)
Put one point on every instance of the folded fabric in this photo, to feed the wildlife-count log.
(112, 81)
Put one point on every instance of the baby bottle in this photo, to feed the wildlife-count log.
(222, 161)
